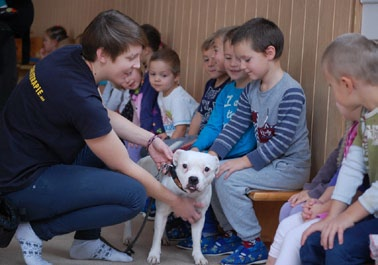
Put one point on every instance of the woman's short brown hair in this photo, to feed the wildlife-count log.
(114, 32)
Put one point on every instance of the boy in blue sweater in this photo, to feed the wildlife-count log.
(225, 106)
(275, 103)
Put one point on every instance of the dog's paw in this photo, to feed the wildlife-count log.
(199, 259)
(153, 259)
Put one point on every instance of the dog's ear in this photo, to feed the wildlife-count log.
(176, 156)
(216, 163)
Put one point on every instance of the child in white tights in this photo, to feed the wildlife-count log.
(287, 240)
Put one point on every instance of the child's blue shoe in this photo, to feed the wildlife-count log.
(205, 242)
(256, 254)
(226, 244)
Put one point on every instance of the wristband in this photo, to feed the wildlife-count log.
(151, 140)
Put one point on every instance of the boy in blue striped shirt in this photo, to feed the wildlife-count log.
(276, 105)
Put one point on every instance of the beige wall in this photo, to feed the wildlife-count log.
(308, 25)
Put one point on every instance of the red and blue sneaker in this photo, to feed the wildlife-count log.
(248, 253)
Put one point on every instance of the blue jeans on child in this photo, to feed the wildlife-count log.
(354, 250)
(82, 197)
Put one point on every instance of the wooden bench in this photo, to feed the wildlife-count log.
(267, 205)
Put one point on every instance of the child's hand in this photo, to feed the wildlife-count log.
(233, 165)
(317, 209)
(298, 198)
(310, 202)
(308, 212)
(188, 145)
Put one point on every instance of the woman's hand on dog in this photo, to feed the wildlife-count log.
(188, 209)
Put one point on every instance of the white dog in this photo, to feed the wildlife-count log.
(148, 164)
(195, 172)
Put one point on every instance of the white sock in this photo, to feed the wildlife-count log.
(31, 245)
(96, 249)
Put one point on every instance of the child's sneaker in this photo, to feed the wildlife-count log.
(225, 244)
(205, 242)
(257, 254)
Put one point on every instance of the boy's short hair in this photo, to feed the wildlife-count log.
(113, 31)
(153, 36)
(220, 33)
(207, 44)
(168, 56)
(261, 33)
(230, 34)
(354, 55)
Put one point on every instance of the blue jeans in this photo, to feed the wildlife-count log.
(354, 250)
(82, 197)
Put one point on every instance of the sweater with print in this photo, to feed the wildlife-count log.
(279, 120)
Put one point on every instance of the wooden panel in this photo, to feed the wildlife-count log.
(35, 46)
(284, 20)
(321, 97)
(308, 25)
(295, 40)
(251, 9)
(308, 69)
(267, 212)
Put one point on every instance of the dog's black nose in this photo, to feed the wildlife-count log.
(193, 180)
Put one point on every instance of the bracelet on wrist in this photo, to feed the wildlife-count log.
(151, 140)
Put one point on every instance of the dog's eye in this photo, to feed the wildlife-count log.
(207, 169)
(185, 166)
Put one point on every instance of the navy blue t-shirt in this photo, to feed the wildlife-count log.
(207, 103)
(47, 117)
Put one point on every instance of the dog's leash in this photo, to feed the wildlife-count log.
(129, 250)
(166, 168)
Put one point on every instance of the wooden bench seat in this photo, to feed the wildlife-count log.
(267, 205)
(271, 195)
